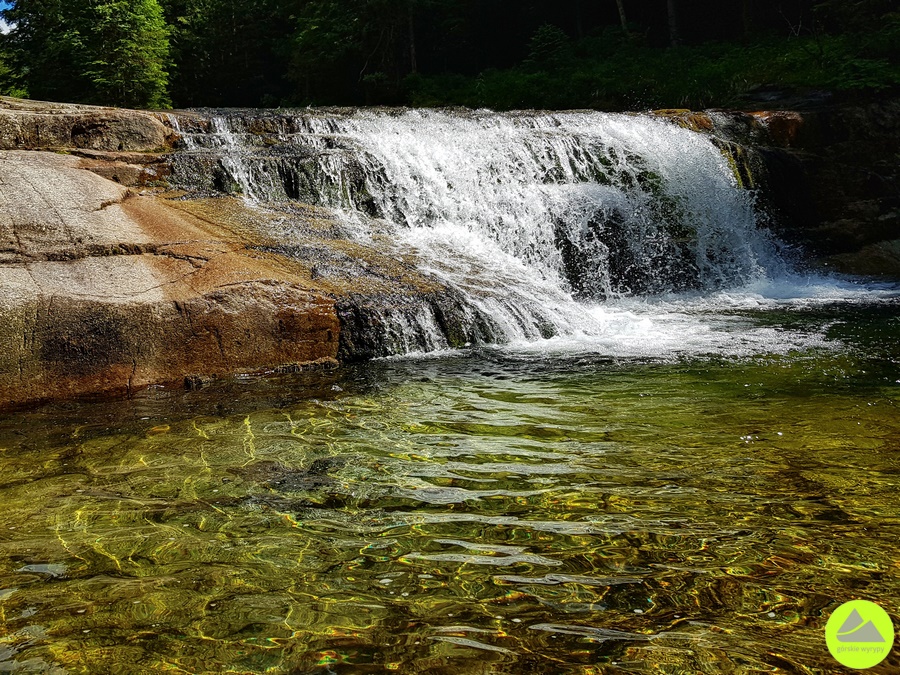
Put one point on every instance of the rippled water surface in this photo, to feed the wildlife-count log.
(481, 512)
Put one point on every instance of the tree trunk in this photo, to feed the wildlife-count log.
(413, 65)
(579, 24)
(747, 16)
(674, 33)
(622, 18)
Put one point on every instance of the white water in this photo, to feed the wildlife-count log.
(621, 233)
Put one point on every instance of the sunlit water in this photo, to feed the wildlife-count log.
(561, 508)
(682, 458)
(524, 216)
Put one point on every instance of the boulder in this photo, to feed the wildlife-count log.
(103, 289)
(27, 125)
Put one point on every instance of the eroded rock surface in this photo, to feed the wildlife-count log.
(41, 125)
(105, 289)
(111, 280)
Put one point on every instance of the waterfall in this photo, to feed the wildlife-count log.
(530, 218)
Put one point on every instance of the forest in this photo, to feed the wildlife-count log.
(501, 54)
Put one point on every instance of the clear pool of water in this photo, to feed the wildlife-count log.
(539, 510)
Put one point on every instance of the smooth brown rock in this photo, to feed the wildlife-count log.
(105, 290)
(689, 119)
(782, 126)
(31, 125)
(51, 208)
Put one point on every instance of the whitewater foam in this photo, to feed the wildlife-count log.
(622, 234)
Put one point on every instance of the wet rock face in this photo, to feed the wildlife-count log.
(375, 326)
(852, 158)
(828, 178)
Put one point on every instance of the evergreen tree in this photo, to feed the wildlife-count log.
(109, 52)
(230, 52)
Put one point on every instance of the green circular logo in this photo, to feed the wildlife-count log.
(859, 634)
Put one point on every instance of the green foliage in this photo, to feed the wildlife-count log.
(634, 77)
(91, 51)
(492, 53)
(230, 52)
(356, 48)
(124, 50)
(853, 16)
(11, 83)
(549, 47)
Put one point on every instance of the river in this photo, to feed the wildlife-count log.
(664, 446)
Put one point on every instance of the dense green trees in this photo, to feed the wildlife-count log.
(500, 53)
(92, 51)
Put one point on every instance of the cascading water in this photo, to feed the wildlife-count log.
(532, 219)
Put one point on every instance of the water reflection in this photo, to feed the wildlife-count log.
(471, 514)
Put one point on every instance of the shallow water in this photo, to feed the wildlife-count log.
(552, 509)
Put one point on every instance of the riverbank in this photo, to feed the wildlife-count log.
(115, 277)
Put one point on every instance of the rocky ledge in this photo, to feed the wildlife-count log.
(829, 174)
(103, 289)
(109, 282)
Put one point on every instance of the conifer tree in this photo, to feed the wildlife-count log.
(110, 52)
